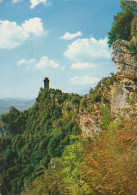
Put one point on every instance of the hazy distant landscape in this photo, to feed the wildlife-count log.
(20, 104)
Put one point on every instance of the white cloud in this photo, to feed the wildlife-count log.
(82, 65)
(21, 62)
(16, 1)
(13, 35)
(27, 63)
(88, 50)
(34, 3)
(34, 26)
(83, 80)
(46, 62)
(41, 64)
(69, 36)
(24, 62)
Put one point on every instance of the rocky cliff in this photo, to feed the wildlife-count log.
(124, 92)
(89, 122)
(119, 93)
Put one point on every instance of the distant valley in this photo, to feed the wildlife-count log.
(20, 104)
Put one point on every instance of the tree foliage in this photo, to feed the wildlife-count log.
(43, 153)
(123, 24)
(35, 136)
(104, 166)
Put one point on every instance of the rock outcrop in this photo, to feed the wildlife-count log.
(124, 93)
(89, 124)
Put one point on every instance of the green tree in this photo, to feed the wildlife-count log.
(122, 25)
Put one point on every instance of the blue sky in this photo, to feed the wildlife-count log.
(65, 40)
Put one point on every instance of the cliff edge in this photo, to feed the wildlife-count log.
(124, 93)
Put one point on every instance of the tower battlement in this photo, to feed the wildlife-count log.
(46, 83)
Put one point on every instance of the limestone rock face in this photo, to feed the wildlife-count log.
(89, 124)
(124, 93)
(124, 59)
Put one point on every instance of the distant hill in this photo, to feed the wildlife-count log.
(20, 104)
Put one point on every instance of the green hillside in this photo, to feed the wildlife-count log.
(69, 144)
(35, 136)
(101, 166)
(44, 152)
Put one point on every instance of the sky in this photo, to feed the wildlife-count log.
(65, 40)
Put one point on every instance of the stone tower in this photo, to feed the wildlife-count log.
(46, 83)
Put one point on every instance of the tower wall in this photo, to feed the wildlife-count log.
(46, 83)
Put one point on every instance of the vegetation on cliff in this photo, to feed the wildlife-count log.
(102, 166)
(125, 25)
